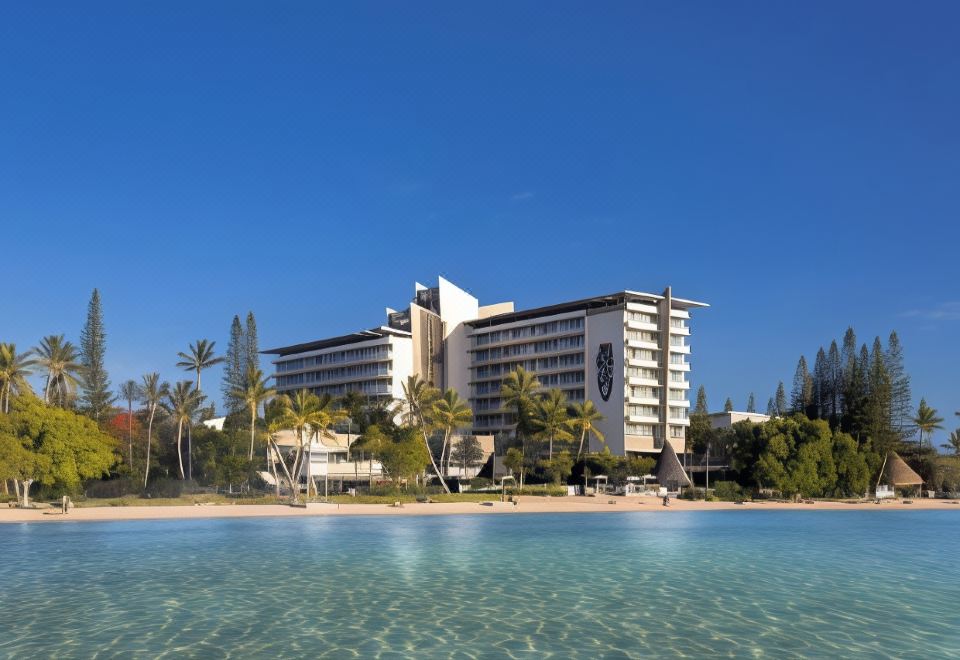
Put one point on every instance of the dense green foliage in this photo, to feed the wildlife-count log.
(796, 455)
(51, 446)
(95, 396)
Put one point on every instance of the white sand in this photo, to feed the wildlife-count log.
(526, 505)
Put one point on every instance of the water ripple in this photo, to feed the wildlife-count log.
(688, 584)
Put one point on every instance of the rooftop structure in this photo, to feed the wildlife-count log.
(726, 419)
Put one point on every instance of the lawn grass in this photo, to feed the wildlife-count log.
(211, 499)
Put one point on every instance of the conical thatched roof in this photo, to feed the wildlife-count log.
(897, 473)
(669, 471)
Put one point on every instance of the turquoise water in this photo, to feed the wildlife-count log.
(695, 584)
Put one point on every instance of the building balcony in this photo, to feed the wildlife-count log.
(641, 325)
(642, 419)
(642, 400)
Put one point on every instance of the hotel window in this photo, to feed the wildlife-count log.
(678, 395)
(641, 317)
(678, 358)
(642, 391)
(640, 429)
(635, 410)
(677, 432)
(678, 413)
(678, 323)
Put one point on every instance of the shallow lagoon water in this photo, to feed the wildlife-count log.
(696, 584)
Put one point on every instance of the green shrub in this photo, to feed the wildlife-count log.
(164, 487)
(728, 491)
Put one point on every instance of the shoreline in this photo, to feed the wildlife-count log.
(527, 505)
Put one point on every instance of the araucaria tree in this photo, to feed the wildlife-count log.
(780, 401)
(234, 369)
(801, 396)
(251, 343)
(95, 396)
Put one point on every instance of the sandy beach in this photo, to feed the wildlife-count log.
(525, 505)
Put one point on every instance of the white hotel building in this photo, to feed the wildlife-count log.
(628, 352)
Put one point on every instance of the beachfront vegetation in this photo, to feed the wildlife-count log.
(842, 420)
(828, 438)
(52, 447)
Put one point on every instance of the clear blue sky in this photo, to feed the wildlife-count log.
(796, 165)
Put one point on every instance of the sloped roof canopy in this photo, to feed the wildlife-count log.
(897, 473)
(669, 471)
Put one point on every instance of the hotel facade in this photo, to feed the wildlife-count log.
(628, 352)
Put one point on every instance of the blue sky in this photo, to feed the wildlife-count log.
(796, 165)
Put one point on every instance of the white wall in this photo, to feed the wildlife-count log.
(402, 352)
(600, 329)
(456, 307)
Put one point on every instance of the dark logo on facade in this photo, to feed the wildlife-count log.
(605, 370)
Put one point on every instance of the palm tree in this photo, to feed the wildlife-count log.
(517, 396)
(450, 413)
(583, 418)
(550, 420)
(182, 402)
(14, 369)
(418, 398)
(330, 414)
(302, 413)
(200, 358)
(62, 363)
(130, 392)
(255, 391)
(152, 394)
(954, 442)
(927, 420)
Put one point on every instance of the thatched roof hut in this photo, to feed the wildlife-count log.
(669, 471)
(897, 473)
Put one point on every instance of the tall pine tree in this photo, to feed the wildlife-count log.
(251, 345)
(877, 418)
(699, 431)
(95, 396)
(901, 404)
(848, 361)
(728, 405)
(821, 385)
(751, 403)
(801, 396)
(835, 377)
(780, 401)
(771, 408)
(234, 370)
(701, 406)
